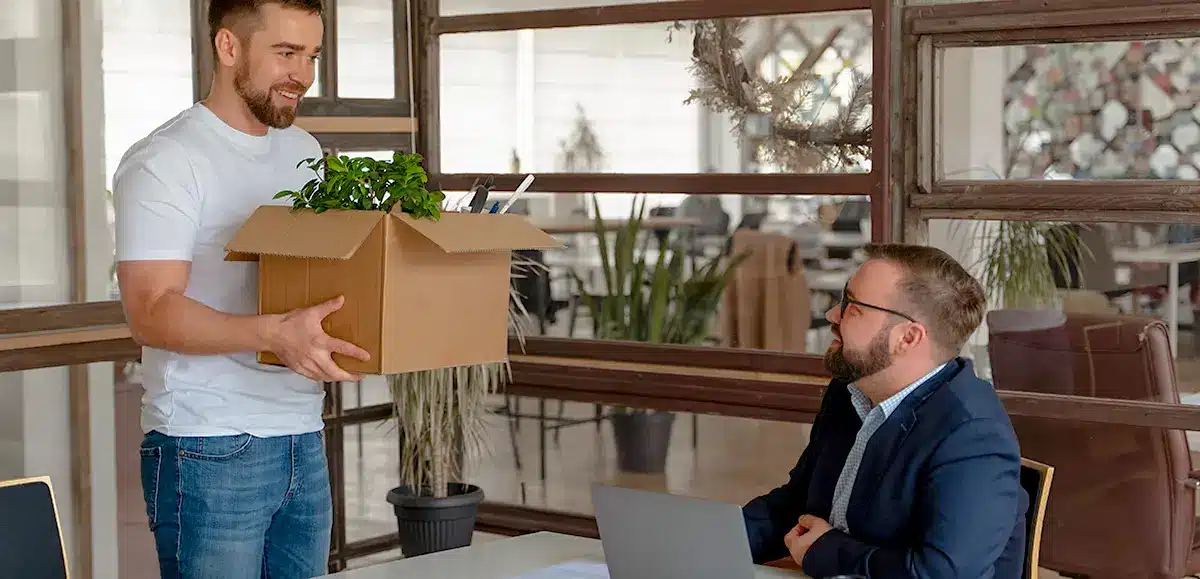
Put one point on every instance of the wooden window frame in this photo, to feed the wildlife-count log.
(872, 184)
(928, 29)
(730, 382)
(876, 184)
(925, 29)
(336, 122)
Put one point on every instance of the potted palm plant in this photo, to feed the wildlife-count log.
(440, 416)
(670, 298)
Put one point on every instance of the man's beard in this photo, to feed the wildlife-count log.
(259, 102)
(852, 366)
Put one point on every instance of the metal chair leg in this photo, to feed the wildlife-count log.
(512, 406)
(513, 427)
(542, 435)
(562, 406)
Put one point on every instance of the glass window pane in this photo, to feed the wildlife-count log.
(1118, 275)
(144, 88)
(379, 155)
(35, 440)
(581, 450)
(637, 98)
(366, 58)
(33, 216)
(315, 89)
(823, 235)
(457, 7)
(1092, 110)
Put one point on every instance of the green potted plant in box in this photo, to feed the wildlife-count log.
(440, 413)
(365, 183)
(671, 298)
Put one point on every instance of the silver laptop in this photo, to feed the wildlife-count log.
(648, 535)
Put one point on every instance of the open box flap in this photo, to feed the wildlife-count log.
(279, 230)
(472, 232)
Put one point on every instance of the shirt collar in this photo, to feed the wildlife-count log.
(862, 403)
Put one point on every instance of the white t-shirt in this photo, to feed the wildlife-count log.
(180, 194)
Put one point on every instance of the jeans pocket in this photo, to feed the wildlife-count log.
(151, 459)
(214, 447)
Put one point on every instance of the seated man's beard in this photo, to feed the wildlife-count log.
(850, 366)
(260, 104)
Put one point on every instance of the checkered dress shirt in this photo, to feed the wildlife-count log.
(872, 419)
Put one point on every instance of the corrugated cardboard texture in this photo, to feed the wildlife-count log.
(464, 232)
(279, 230)
(289, 283)
(442, 309)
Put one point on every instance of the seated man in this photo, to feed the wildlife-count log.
(912, 468)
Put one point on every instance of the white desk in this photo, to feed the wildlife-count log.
(505, 559)
(1171, 254)
(828, 280)
(843, 239)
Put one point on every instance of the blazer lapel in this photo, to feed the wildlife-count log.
(881, 451)
(887, 440)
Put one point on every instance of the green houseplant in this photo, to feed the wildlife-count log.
(365, 183)
(671, 298)
(440, 413)
(1018, 259)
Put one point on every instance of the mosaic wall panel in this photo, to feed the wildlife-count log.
(1111, 110)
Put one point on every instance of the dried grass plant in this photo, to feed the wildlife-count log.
(441, 414)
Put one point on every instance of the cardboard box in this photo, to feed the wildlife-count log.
(419, 294)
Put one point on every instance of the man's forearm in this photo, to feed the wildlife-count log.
(177, 323)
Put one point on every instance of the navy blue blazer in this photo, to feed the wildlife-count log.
(938, 494)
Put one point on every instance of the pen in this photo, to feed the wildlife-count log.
(513, 198)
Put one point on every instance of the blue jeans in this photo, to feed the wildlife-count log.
(238, 507)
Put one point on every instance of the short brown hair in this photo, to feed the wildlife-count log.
(942, 295)
(242, 15)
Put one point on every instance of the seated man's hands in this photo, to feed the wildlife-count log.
(803, 535)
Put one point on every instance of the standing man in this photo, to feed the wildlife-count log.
(912, 467)
(233, 464)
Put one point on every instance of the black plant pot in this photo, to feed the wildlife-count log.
(643, 439)
(429, 524)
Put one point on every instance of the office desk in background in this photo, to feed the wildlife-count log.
(1173, 255)
(505, 559)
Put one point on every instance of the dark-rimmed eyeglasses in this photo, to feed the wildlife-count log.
(847, 300)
